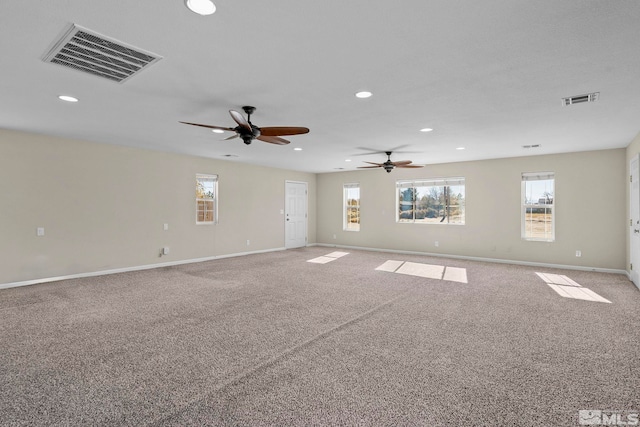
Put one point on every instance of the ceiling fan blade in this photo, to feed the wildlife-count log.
(373, 151)
(235, 135)
(209, 126)
(409, 166)
(379, 165)
(397, 149)
(370, 153)
(367, 167)
(240, 120)
(283, 130)
(401, 162)
(273, 140)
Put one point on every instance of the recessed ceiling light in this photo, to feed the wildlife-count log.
(363, 94)
(201, 7)
(297, 149)
(347, 160)
(217, 131)
(426, 130)
(460, 148)
(67, 98)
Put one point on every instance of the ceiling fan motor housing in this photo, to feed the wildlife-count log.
(246, 136)
(388, 165)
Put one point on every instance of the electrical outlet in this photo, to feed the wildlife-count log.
(165, 250)
(166, 227)
(578, 253)
(437, 243)
(40, 231)
(248, 242)
(334, 236)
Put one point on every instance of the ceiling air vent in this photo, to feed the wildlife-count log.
(589, 97)
(89, 52)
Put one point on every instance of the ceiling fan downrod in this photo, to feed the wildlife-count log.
(255, 131)
(249, 110)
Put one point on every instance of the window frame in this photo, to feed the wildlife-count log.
(524, 206)
(203, 201)
(448, 182)
(346, 208)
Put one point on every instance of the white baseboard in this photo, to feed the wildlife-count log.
(195, 260)
(135, 268)
(471, 258)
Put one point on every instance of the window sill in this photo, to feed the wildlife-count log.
(439, 224)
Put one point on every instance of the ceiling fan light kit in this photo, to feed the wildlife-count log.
(201, 7)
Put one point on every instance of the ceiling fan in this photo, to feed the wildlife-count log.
(248, 131)
(389, 165)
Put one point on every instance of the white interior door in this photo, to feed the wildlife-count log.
(634, 229)
(295, 215)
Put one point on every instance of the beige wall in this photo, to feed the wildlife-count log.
(632, 150)
(103, 207)
(589, 194)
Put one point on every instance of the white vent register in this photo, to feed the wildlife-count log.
(579, 99)
(83, 50)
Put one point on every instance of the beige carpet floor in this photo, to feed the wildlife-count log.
(271, 339)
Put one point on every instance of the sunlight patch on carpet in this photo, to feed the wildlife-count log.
(455, 274)
(390, 266)
(557, 279)
(429, 271)
(328, 257)
(337, 254)
(321, 260)
(567, 288)
(421, 270)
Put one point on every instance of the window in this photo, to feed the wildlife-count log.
(433, 201)
(538, 214)
(206, 199)
(351, 207)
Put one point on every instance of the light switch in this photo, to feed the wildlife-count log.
(40, 231)
(166, 227)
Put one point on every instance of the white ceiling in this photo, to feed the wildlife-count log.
(485, 75)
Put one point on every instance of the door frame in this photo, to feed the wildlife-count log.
(634, 220)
